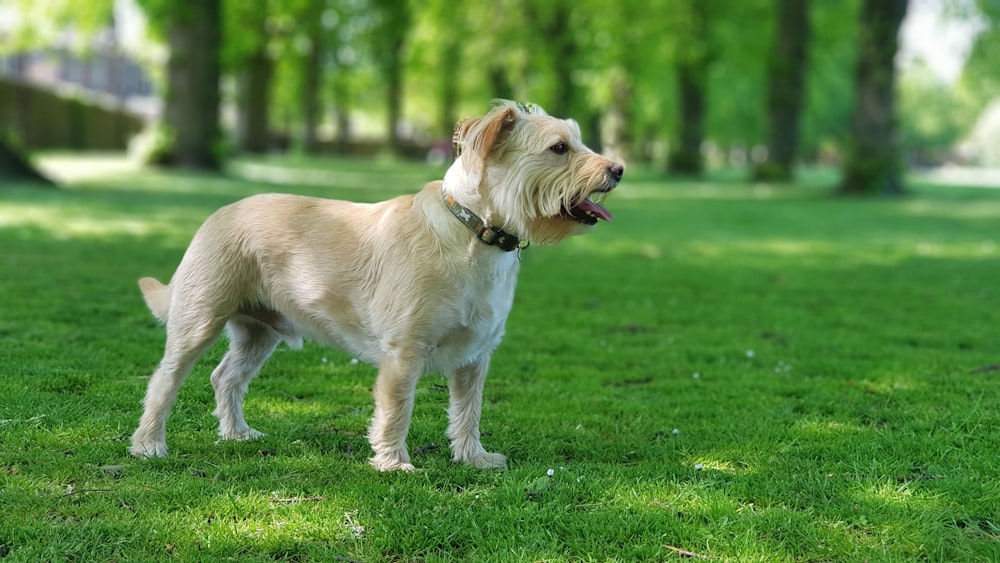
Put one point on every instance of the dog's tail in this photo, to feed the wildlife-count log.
(157, 297)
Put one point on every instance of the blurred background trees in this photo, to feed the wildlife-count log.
(872, 163)
(786, 73)
(766, 85)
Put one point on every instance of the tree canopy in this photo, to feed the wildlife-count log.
(677, 80)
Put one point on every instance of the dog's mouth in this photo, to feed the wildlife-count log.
(588, 211)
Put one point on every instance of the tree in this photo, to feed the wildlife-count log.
(934, 116)
(786, 77)
(247, 57)
(193, 31)
(390, 37)
(438, 61)
(873, 162)
(342, 44)
(691, 72)
(498, 40)
(981, 75)
(192, 102)
(552, 24)
(825, 121)
(313, 58)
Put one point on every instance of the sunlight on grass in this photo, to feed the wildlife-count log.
(63, 225)
(76, 167)
(659, 191)
(952, 210)
(886, 494)
(986, 248)
(69, 222)
(798, 253)
(291, 407)
(828, 428)
(880, 444)
(722, 466)
(270, 521)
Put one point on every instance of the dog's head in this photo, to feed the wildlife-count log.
(530, 173)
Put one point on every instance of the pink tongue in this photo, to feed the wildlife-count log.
(595, 209)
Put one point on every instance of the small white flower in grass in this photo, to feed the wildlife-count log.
(677, 431)
(698, 467)
(696, 375)
(323, 359)
(550, 472)
(750, 354)
(354, 361)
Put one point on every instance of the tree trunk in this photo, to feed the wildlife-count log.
(786, 78)
(192, 103)
(313, 85)
(15, 167)
(560, 35)
(254, 102)
(873, 163)
(342, 111)
(451, 58)
(620, 139)
(692, 78)
(685, 154)
(394, 102)
(391, 35)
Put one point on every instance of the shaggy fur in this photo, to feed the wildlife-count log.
(401, 284)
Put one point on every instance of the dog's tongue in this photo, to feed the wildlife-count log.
(593, 209)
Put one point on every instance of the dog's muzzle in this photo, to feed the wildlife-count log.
(589, 212)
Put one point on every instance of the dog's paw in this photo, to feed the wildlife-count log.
(488, 460)
(390, 463)
(148, 449)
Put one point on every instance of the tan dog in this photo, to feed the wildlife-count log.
(420, 283)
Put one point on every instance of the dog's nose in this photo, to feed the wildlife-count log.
(616, 171)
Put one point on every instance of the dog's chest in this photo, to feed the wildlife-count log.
(479, 311)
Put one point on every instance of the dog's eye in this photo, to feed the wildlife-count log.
(559, 148)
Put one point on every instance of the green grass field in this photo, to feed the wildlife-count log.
(727, 371)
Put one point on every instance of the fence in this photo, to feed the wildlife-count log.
(40, 119)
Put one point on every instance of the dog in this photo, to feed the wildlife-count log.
(416, 284)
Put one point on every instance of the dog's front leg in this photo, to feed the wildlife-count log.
(464, 410)
(394, 389)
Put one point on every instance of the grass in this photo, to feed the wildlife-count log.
(747, 373)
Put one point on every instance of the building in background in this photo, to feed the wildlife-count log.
(105, 77)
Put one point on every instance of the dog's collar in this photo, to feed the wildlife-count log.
(493, 236)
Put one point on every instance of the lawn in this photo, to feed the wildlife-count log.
(727, 371)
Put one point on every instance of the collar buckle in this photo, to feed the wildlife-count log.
(499, 238)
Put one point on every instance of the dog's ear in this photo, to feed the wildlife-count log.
(476, 137)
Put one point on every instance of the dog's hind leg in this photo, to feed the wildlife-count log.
(186, 342)
(250, 345)
(394, 389)
(465, 407)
